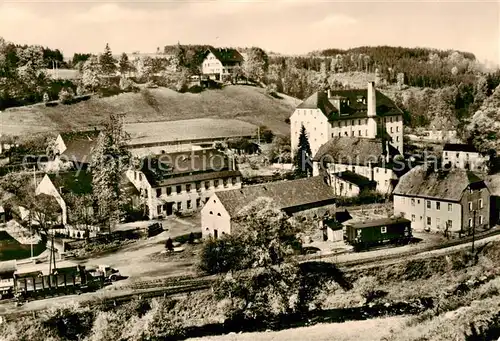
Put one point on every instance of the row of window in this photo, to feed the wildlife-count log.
(178, 205)
(479, 205)
(197, 186)
(353, 134)
(429, 204)
(457, 155)
(354, 168)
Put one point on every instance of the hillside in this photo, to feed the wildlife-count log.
(245, 103)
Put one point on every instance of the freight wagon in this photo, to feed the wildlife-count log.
(375, 232)
(68, 280)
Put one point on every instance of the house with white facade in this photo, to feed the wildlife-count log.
(454, 200)
(181, 183)
(464, 156)
(219, 214)
(371, 159)
(219, 63)
(347, 113)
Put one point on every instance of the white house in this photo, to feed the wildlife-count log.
(371, 159)
(464, 156)
(222, 208)
(350, 113)
(444, 199)
(219, 63)
(182, 182)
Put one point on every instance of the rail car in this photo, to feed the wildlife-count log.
(367, 234)
(35, 284)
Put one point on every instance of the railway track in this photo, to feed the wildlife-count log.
(186, 284)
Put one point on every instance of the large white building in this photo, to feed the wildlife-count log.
(347, 113)
(219, 63)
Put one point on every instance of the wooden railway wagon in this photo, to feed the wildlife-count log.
(375, 232)
(63, 280)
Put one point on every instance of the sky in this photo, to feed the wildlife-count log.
(285, 26)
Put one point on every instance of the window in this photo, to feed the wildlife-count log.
(458, 154)
(140, 176)
(178, 189)
(470, 206)
(339, 134)
(429, 221)
(480, 220)
(449, 224)
(198, 186)
(158, 209)
(179, 206)
(445, 153)
(359, 122)
(413, 217)
(397, 129)
(332, 135)
(350, 187)
(169, 190)
(218, 214)
(366, 132)
(391, 119)
(135, 175)
(211, 212)
(450, 207)
(359, 132)
(438, 206)
(392, 129)
(216, 183)
(413, 202)
(352, 122)
(224, 181)
(418, 201)
(189, 204)
(428, 204)
(352, 133)
(397, 138)
(158, 192)
(353, 169)
(438, 222)
(480, 203)
(207, 184)
(198, 202)
(383, 229)
(470, 222)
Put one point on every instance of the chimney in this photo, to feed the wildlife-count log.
(372, 102)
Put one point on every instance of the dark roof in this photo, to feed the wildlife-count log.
(159, 169)
(385, 106)
(379, 222)
(198, 177)
(318, 100)
(354, 150)
(8, 267)
(79, 182)
(285, 194)
(356, 179)
(340, 218)
(79, 145)
(459, 147)
(446, 185)
(226, 55)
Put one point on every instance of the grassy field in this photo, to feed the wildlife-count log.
(245, 103)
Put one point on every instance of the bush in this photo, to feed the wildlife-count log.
(221, 255)
(66, 95)
(110, 91)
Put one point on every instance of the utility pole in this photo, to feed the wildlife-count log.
(473, 230)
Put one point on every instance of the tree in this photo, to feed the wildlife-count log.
(66, 95)
(90, 74)
(107, 62)
(266, 134)
(256, 64)
(303, 164)
(80, 212)
(124, 63)
(109, 161)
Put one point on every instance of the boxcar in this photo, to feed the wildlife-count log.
(374, 232)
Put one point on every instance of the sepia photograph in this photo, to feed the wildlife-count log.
(243, 170)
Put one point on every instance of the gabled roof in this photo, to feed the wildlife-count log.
(318, 100)
(166, 168)
(356, 179)
(379, 222)
(354, 150)
(79, 145)
(459, 147)
(285, 194)
(385, 106)
(226, 55)
(78, 182)
(445, 185)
